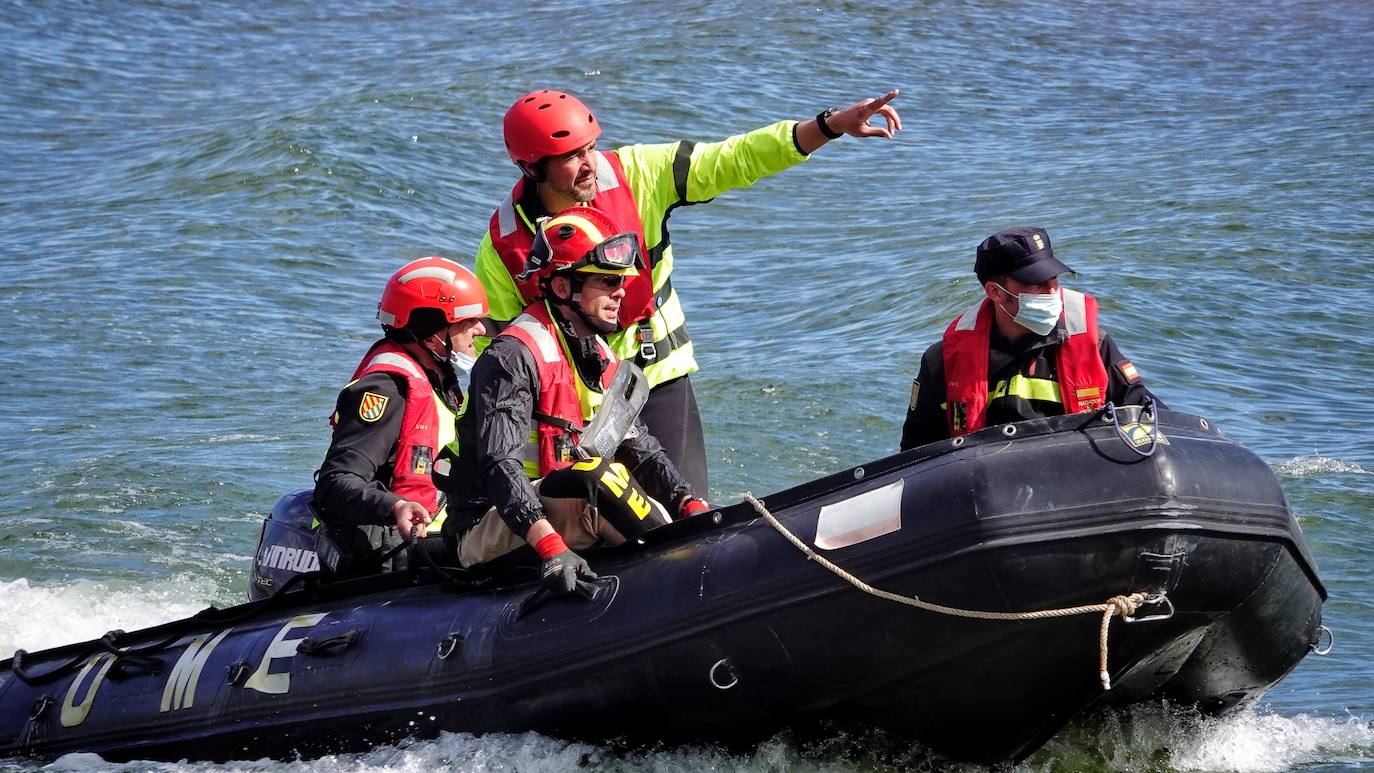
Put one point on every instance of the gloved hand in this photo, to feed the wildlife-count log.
(563, 571)
(690, 506)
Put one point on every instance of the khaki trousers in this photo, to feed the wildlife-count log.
(574, 519)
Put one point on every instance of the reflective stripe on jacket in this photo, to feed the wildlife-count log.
(1080, 379)
(660, 178)
(426, 426)
(562, 395)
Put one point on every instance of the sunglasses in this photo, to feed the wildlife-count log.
(606, 281)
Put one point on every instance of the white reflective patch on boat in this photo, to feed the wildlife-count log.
(860, 518)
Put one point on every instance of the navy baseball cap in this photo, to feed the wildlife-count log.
(1022, 253)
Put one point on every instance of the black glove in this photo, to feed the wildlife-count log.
(566, 573)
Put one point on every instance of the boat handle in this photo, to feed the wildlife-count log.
(343, 641)
(40, 707)
(587, 590)
(729, 672)
(1329, 635)
(1149, 602)
(126, 663)
(448, 645)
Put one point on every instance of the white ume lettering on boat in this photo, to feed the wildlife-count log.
(180, 690)
(74, 713)
(860, 518)
(264, 680)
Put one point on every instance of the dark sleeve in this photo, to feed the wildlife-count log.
(352, 484)
(645, 458)
(925, 416)
(503, 394)
(1124, 384)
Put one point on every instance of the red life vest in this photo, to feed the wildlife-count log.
(410, 477)
(512, 239)
(561, 393)
(1078, 364)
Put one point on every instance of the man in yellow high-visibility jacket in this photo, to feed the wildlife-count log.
(551, 137)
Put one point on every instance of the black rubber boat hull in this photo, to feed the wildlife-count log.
(721, 629)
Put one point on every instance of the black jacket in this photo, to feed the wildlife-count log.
(493, 433)
(353, 484)
(1031, 355)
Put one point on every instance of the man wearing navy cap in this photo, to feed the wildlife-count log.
(1028, 349)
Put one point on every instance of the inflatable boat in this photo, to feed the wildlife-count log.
(974, 594)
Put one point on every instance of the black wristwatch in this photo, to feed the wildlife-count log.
(821, 117)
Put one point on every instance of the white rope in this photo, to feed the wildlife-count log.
(1116, 605)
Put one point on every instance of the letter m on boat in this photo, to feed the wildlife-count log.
(180, 692)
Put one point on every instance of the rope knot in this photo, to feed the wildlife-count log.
(1125, 605)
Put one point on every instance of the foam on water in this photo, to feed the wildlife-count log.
(1143, 738)
(1151, 737)
(42, 615)
(1316, 465)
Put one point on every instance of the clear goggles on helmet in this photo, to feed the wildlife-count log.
(617, 254)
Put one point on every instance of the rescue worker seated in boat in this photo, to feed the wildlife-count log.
(552, 138)
(398, 410)
(1028, 349)
(533, 388)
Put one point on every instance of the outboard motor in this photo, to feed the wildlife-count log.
(286, 546)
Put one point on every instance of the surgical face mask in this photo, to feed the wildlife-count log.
(462, 367)
(1037, 312)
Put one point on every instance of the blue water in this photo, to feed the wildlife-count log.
(199, 203)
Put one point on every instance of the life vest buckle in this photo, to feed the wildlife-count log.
(647, 351)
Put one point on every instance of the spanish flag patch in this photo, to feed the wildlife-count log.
(1128, 371)
(372, 406)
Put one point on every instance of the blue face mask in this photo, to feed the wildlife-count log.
(1038, 312)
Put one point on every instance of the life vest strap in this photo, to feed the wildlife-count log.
(554, 421)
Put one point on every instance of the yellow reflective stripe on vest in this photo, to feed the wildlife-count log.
(531, 466)
(668, 318)
(1043, 389)
(448, 436)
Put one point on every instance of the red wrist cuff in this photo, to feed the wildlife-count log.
(549, 546)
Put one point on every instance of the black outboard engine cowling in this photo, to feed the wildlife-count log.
(286, 546)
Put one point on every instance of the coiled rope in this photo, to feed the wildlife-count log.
(1116, 605)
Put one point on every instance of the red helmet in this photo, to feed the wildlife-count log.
(585, 240)
(547, 123)
(431, 283)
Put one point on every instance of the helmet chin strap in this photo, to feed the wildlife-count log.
(441, 360)
(534, 172)
(574, 303)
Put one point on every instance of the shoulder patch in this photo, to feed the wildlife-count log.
(1128, 371)
(915, 392)
(372, 406)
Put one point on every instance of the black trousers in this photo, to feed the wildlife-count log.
(672, 417)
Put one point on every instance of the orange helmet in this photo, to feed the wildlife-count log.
(431, 283)
(583, 240)
(547, 123)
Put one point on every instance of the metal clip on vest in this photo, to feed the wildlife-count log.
(647, 351)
